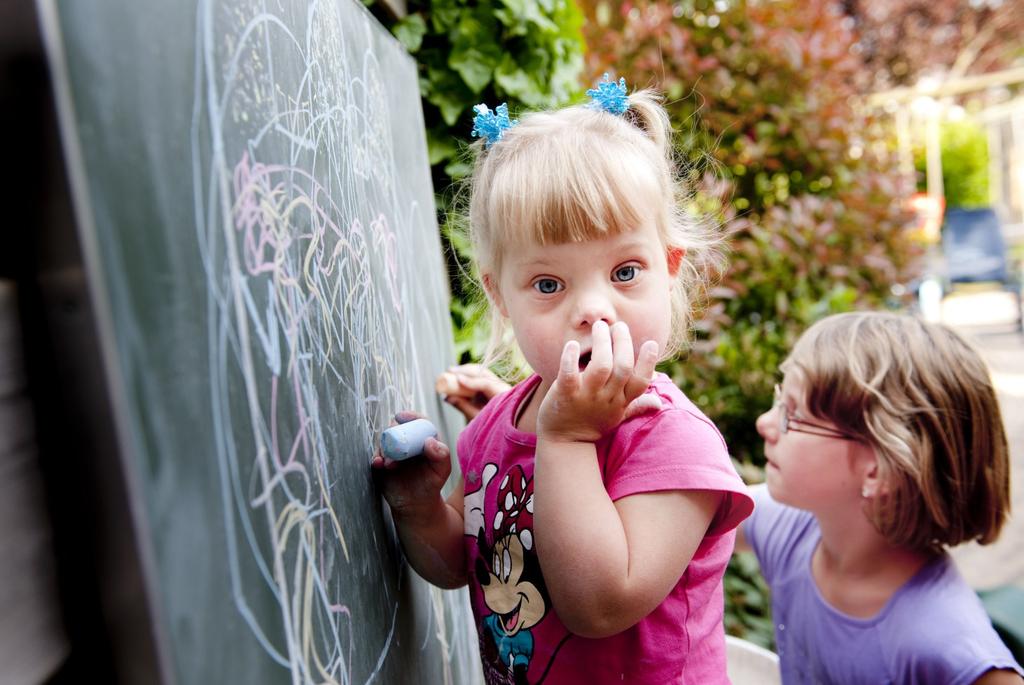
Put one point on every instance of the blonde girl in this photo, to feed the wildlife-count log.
(593, 536)
(884, 447)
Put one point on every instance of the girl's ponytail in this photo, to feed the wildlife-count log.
(646, 113)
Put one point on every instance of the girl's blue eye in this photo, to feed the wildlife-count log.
(625, 273)
(547, 286)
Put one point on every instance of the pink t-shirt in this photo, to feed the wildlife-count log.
(521, 637)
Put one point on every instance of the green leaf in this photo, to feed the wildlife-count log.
(451, 107)
(526, 15)
(448, 93)
(473, 71)
(565, 84)
(410, 31)
(458, 169)
(474, 66)
(513, 26)
(516, 8)
(519, 83)
(440, 147)
(444, 14)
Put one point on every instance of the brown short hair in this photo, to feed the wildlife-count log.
(922, 397)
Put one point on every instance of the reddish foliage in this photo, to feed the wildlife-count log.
(902, 39)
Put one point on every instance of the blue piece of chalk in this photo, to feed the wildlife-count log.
(406, 440)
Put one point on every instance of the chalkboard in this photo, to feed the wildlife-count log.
(254, 202)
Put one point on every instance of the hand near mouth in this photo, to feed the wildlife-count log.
(584, 404)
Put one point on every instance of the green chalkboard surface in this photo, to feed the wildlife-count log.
(254, 202)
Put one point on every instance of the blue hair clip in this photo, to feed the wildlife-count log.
(491, 126)
(609, 96)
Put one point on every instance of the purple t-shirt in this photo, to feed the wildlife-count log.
(521, 637)
(933, 630)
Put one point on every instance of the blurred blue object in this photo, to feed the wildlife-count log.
(974, 251)
(973, 245)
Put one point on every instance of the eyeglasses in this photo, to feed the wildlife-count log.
(787, 421)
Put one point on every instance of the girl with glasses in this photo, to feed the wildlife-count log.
(885, 446)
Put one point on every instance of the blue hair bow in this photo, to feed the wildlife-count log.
(491, 126)
(609, 96)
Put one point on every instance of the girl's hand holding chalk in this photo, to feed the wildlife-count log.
(406, 440)
(412, 487)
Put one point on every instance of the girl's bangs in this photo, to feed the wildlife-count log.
(555, 199)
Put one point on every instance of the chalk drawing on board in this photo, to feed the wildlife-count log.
(309, 239)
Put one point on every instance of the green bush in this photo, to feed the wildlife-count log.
(964, 149)
(524, 52)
